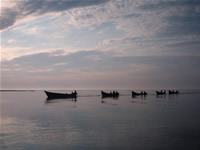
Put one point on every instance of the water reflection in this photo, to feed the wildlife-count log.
(107, 97)
(138, 102)
(139, 96)
(173, 96)
(161, 96)
(47, 101)
(107, 102)
(69, 103)
(27, 123)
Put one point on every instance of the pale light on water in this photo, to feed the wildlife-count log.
(28, 121)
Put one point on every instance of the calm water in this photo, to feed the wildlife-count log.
(29, 122)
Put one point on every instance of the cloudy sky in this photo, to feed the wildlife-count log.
(86, 44)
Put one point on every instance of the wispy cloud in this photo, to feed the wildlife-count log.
(39, 7)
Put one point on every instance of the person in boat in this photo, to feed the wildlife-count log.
(74, 93)
(114, 93)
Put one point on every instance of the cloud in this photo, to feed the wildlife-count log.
(178, 18)
(135, 18)
(80, 67)
(163, 4)
(182, 26)
(23, 9)
(98, 61)
(126, 27)
(43, 7)
(7, 18)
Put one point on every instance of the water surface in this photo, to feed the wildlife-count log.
(29, 121)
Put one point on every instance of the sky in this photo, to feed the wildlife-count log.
(95, 44)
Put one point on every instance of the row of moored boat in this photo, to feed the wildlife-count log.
(114, 94)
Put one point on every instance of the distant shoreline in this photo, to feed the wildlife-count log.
(34, 90)
(17, 90)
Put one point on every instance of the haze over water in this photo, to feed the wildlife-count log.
(29, 121)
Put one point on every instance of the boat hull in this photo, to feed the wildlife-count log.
(173, 92)
(160, 93)
(137, 94)
(104, 94)
(52, 95)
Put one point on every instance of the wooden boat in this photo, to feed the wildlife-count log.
(141, 93)
(52, 95)
(173, 92)
(161, 92)
(111, 94)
